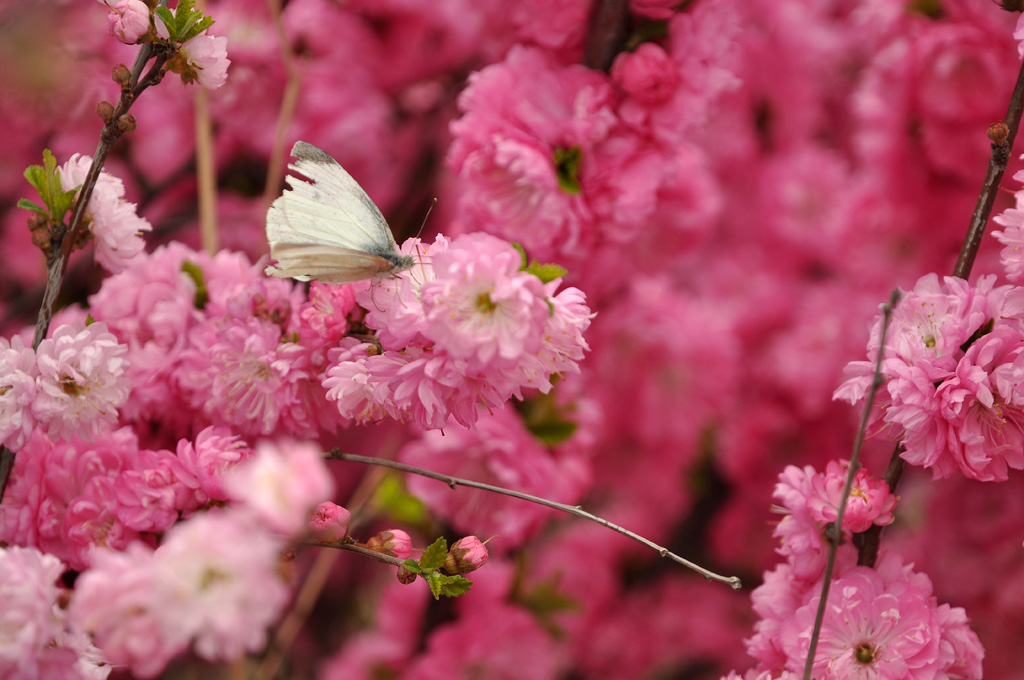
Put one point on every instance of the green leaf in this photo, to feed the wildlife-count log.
(434, 555)
(45, 179)
(433, 580)
(454, 586)
(29, 205)
(195, 272)
(546, 272)
(413, 566)
(170, 22)
(546, 419)
(567, 167)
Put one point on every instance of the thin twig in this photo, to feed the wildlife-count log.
(993, 176)
(837, 534)
(452, 482)
(206, 173)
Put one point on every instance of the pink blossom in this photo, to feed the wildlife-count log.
(329, 522)
(17, 392)
(31, 620)
(878, 624)
(393, 542)
(201, 466)
(1012, 234)
(113, 222)
(118, 602)
(480, 307)
(647, 74)
(148, 493)
(128, 20)
(217, 581)
(207, 61)
(81, 381)
(466, 555)
(654, 9)
(1018, 34)
(281, 483)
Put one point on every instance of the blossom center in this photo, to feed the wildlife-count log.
(864, 653)
(484, 303)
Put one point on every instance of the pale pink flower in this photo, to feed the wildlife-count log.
(207, 61)
(113, 222)
(329, 522)
(119, 603)
(81, 381)
(217, 581)
(17, 392)
(1018, 34)
(31, 619)
(281, 483)
(128, 20)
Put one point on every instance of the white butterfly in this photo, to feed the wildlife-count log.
(328, 230)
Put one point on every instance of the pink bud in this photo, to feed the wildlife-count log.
(394, 542)
(466, 555)
(128, 20)
(648, 74)
(329, 522)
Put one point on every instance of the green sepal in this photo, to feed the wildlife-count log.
(195, 272)
(89, 320)
(522, 252)
(567, 167)
(434, 555)
(546, 272)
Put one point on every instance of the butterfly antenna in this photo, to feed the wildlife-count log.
(426, 217)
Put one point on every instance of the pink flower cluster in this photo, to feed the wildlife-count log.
(73, 384)
(464, 326)
(883, 622)
(1012, 234)
(954, 369)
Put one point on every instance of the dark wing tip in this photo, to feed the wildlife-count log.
(305, 151)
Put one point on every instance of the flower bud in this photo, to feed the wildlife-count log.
(126, 123)
(466, 555)
(105, 110)
(329, 522)
(998, 132)
(121, 75)
(128, 20)
(394, 542)
(405, 576)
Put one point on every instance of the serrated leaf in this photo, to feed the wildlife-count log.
(412, 565)
(169, 21)
(433, 580)
(195, 272)
(434, 555)
(454, 586)
(546, 272)
(29, 205)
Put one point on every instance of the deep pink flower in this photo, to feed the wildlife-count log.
(393, 542)
(329, 522)
(201, 466)
(466, 555)
(647, 74)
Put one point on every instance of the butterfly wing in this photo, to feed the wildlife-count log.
(332, 210)
(326, 263)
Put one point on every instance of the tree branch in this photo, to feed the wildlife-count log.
(452, 482)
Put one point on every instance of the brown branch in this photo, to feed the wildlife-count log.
(452, 482)
(836, 535)
(609, 22)
(1002, 136)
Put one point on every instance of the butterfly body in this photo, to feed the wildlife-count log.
(328, 230)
